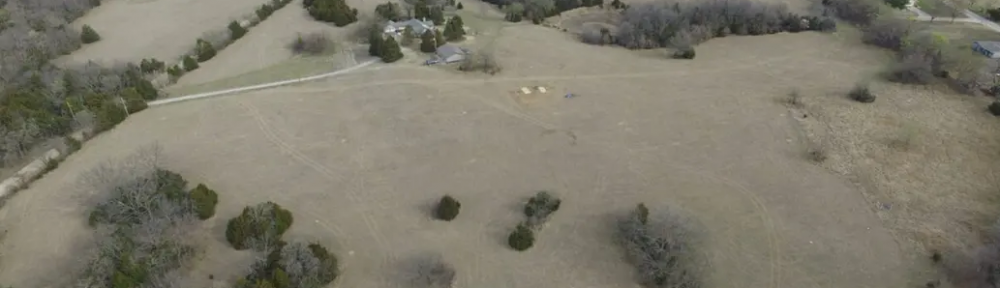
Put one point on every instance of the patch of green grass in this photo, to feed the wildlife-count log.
(939, 8)
(291, 69)
(961, 35)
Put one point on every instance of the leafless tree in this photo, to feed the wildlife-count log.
(912, 69)
(654, 24)
(887, 33)
(858, 12)
(540, 207)
(480, 61)
(304, 269)
(431, 271)
(262, 215)
(366, 24)
(141, 225)
(660, 249)
(311, 44)
(218, 38)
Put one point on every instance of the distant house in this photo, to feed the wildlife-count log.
(394, 28)
(988, 48)
(450, 53)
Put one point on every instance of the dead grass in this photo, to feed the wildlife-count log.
(161, 29)
(391, 138)
(265, 45)
(289, 69)
(927, 155)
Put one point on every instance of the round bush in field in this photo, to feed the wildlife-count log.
(259, 227)
(204, 201)
(293, 265)
(862, 94)
(447, 208)
(995, 108)
(522, 238)
(89, 35)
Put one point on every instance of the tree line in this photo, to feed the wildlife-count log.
(682, 25)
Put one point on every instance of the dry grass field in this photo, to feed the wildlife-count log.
(265, 45)
(132, 30)
(359, 160)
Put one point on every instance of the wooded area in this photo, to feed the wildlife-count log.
(39, 100)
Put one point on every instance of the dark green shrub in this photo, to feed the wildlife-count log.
(259, 227)
(995, 108)
(204, 201)
(189, 63)
(333, 11)
(389, 11)
(459, 6)
(89, 35)
(264, 11)
(427, 42)
(540, 207)
(133, 101)
(375, 41)
(204, 50)
(175, 71)
(236, 31)
(108, 116)
(641, 213)
(522, 238)
(447, 208)
(684, 53)
(151, 65)
(454, 30)
(72, 144)
(861, 93)
(390, 51)
(293, 265)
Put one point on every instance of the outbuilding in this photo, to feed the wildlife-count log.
(450, 53)
(988, 48)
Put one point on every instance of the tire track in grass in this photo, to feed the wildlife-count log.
(324, 171)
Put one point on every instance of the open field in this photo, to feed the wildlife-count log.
(359, 158)
(289, 69)
(938, 8)
(264, 46)
(162, 29)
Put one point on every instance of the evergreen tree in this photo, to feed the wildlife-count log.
(407, 36)
(204, 50)
(189, 63)
(437, 15)
(459, 7)
(428, 43)
(390, 51)
(334, 11)
(236, 31)
(389, 11)
(421, 10)
(375, 41)
(89, 35)
(453, 30)
(439, 38)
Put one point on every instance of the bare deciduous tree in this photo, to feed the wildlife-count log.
(311, 44)
(660, 249)
(304, 269)
(145, 230)
(431, 271)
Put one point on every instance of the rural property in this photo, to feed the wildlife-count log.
(499, 143)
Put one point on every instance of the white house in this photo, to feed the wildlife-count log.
(394, 29)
